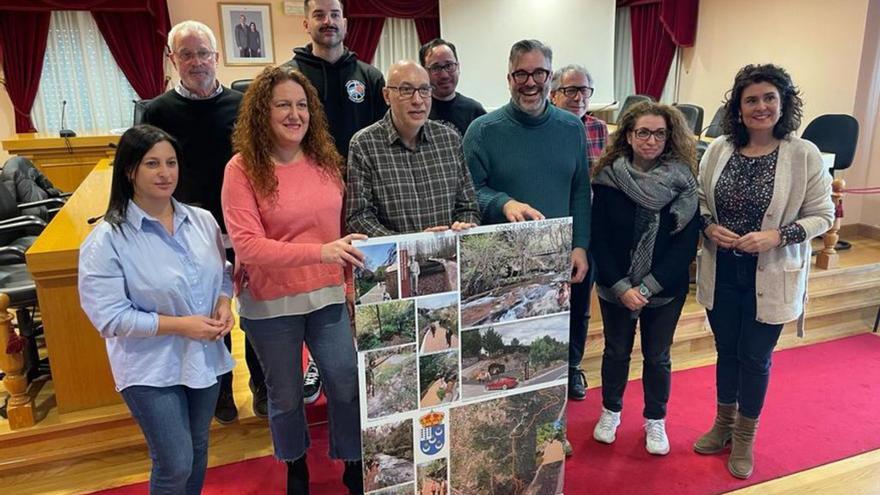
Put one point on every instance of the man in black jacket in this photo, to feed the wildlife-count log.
(200, 113)
(350, 89)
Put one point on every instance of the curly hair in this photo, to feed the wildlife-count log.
(791, 108)
(253, 136)
(680, 146)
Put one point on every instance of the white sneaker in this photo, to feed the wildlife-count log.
(656, 441)
(606, 428)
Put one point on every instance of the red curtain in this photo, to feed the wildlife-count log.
(653, 49)
(23, 37)
(367, 17)
(679, 18)
(363, 36)
(138, 48)
(135, 31)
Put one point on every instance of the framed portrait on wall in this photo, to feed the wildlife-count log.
(246, 35)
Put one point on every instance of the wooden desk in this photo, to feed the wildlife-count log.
(65, 167)
(80, 368)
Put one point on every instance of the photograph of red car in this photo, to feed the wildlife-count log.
(502, 383)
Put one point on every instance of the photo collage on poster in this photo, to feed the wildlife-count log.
(459, 336)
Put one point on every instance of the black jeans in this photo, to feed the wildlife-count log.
(579, 318)
(250, 356)
(744, 344)
(656, 327)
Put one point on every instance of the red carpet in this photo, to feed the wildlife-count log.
(822, 407)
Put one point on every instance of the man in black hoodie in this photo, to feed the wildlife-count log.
(350, 90)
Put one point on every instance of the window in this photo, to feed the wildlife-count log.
(78, 68)
(399, 41)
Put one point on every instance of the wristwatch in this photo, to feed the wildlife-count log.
(644, 291)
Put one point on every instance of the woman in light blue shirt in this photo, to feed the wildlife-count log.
(154, 281)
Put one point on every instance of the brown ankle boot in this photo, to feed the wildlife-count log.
(718, 437)
(742, 461)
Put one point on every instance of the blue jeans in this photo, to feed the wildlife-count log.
(278, 342)
(744, 344)
(175, 421)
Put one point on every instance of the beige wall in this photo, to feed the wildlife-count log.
(819, 42)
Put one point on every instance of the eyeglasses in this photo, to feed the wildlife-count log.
(538, 75)
(408, 91)
(448, 67)
(202, 55)
(643, 134)
(571, 91)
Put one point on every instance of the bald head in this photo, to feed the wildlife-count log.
(408, 93)
(407, 70)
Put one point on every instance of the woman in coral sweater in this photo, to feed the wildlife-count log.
(282, 202)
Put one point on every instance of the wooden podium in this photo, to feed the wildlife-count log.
(66, 162)
(78, 356)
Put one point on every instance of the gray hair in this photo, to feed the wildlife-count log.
(557, 76)
(195, 26)
(525, 46)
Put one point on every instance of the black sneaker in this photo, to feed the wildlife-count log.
(311, 383)
(226, 412)
(261, 399)
(353, 477)
(577, 384)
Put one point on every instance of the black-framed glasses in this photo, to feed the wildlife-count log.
(571, 91)
(643, 134)
(537, 75)
(408, 91)
(448, 67)
(202, 55)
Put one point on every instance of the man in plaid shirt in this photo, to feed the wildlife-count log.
(570, 89)
(405, 173)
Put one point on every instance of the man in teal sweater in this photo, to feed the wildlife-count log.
(528, 161)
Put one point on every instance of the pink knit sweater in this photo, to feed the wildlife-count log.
(278, 246)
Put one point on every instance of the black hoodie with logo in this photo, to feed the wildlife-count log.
(350, 90)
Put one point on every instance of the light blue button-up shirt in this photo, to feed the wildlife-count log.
(130, 276)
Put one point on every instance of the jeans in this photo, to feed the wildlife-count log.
(656, 327)
(579, 318)
(278, 342)
(744, 344)
(175, 421)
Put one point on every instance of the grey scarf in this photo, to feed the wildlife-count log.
(651, 191)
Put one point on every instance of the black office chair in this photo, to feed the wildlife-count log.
(631, 101)
(693, 115)
(241, 85)
(838, 134)
(714, 129)
(139, 107)
(33, 192)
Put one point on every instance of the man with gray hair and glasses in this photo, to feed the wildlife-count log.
(200, 113)
(406, 173)
(570, 89)
(529, 161)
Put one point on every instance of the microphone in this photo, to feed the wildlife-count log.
(603, 108)
(65, 133)
(94, 220)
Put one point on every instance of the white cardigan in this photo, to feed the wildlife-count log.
(801, 193)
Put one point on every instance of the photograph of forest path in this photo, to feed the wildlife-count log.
(377, 280)
(513, 355)
(495, 445)
(437, 321)
(428, 266)
(385, 325)
(391, 384)
(431, 478)
(513, 274)
(438, 379)
(388, 456)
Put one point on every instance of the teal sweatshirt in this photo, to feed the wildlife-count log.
(539, 160)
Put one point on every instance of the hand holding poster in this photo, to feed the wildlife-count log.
(463, 358)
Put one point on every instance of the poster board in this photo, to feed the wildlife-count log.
(463, 359)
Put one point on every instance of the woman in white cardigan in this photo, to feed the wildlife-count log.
(764, 194)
